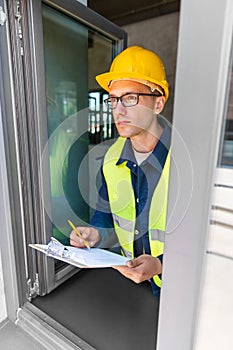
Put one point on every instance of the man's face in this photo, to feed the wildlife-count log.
(136, 120)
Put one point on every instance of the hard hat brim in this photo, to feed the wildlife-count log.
(105, 79)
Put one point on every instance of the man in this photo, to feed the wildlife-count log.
(135, 170)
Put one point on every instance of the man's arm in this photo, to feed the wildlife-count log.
(102, 217)
(100, 231)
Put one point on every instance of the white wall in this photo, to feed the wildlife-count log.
(216, 305)
(216, 308)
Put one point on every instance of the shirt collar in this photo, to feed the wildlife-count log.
(159, 154)
(126, 153)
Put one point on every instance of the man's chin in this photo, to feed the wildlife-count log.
(123, 132)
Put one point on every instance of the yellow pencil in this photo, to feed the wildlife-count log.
(78, 234)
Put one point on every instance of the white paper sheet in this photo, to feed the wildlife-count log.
(82, 257)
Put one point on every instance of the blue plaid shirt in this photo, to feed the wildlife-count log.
(144, 180)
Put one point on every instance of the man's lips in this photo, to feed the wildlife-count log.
(122, 122)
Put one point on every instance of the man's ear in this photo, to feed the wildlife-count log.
(159, 104)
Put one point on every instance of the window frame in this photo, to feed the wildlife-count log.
(23, 58)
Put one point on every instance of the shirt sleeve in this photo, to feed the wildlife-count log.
(102, 217)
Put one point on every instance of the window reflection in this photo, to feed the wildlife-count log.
(226, 151)
(74, 54)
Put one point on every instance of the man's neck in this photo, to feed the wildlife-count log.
(147, 140)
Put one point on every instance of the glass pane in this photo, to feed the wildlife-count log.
(226, 152)
(74, 54)
(101, 125)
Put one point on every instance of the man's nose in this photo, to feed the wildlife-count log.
(120, 109)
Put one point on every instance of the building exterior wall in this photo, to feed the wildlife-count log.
(216, 304)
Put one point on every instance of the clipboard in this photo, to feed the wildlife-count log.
(80, 257)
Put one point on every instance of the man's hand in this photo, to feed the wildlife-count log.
(141, 269)
(90, 234)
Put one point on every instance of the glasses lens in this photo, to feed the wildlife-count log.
(109, 102)
(129, 100)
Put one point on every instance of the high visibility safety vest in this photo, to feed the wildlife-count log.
(122, 203)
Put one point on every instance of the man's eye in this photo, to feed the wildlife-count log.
(130, 98)
(113, 99)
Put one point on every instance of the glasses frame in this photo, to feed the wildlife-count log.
(109, 104)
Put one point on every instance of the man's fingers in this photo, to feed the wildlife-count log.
(75, 240)
(134, 262)
(90, 235)
(141, 268)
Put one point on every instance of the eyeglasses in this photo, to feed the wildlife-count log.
(127, 100)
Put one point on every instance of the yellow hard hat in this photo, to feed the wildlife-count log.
(138, 64)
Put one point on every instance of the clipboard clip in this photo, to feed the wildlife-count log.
(56, 248)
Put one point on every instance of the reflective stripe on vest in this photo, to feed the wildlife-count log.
(122, 203)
